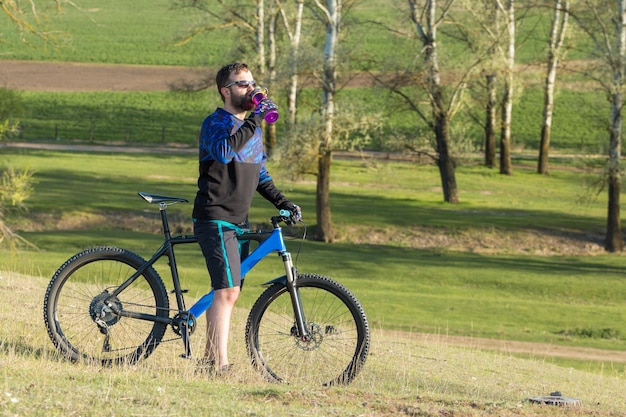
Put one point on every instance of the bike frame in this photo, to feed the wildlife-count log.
(268, 242)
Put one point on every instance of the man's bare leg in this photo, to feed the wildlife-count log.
(218, 325)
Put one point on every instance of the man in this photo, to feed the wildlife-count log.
(232, 168)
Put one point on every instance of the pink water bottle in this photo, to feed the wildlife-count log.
(257, 95)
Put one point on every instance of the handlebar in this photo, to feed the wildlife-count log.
(284, 216)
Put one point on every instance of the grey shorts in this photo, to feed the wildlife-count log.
(222, 251)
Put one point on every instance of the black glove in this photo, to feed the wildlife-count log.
(295, 214)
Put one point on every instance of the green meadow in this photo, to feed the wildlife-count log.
(520, 259)
(482, 282)
(501, 273)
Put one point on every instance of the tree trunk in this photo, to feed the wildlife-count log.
(557, 35)
(260, 35)
(490, 122)
(332, 11)
(492, 11)
(441, 118)
(270, 129)
(292, 95)
(324, 230)
(614, 241)
(507, 99)
(445, 160)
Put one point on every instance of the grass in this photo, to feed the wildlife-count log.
(145, 32)
(141, 32)
(169, 117)
(149, 117)
(514, 260)
(406, 374)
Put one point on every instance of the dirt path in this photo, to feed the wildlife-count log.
(538, 350)
(77, 77)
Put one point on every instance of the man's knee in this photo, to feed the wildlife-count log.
(228, 295)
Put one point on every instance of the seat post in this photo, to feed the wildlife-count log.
(166, 226)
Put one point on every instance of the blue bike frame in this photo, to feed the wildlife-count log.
(273, 243)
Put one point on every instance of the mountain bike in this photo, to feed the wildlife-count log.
(109, 306)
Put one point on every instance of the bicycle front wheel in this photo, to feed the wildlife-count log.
(84, 320)
(338, 341)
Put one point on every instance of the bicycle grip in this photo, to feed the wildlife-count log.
(285, 213)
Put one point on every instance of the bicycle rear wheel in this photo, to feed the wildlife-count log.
(338, 341)
(79, 312)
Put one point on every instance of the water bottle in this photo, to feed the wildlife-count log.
(257, 95)
(202, 304)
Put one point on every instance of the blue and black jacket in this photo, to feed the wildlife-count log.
(232, 168)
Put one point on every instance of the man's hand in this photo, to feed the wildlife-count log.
(294, 211)
(265, 106)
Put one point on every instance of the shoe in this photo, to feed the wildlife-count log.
(226, 369)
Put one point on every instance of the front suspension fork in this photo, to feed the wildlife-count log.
(292, 274)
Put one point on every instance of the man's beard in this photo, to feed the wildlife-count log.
(244, 103)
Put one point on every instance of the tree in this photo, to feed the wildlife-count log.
(609, 42)
(11, 111)
(488, 18)
(15, 188)
(426, 26)
(28, 19)
(490, 120)
(330, 15)
(557, 37)
(295, 36)
(15, 185)
(443, 99)
(507, 99)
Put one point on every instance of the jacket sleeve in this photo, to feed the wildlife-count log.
(245, 132)
(269, 191)
(217, 142)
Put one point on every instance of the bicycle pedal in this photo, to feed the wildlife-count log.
(182, 291)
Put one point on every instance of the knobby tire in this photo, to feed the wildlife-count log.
(339, 342)
(76, 294)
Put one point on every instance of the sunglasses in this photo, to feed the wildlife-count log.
(241, 83)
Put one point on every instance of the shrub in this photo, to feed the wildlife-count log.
(11, 111)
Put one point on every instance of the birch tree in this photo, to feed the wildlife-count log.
(432, 100)
(491, 113)
(426, 23)
(255, 22)
(507, 99)
(423, 17)
(294, 33)
(491, 27)
(604, 22)
(331, 15)
(486, 15)
(557, 37)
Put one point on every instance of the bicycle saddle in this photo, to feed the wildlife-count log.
(157, 199)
